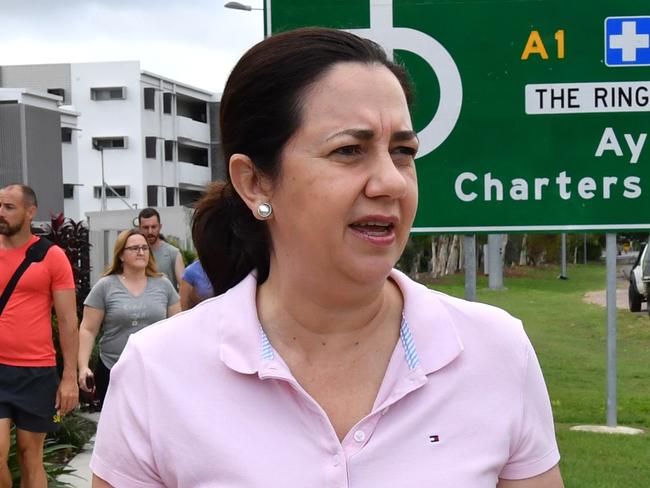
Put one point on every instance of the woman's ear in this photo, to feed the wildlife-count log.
(253, 187)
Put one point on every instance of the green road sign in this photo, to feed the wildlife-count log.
(532, 115)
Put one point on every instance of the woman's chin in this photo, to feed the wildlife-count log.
(371, 271)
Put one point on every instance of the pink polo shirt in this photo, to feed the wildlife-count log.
(203, 400)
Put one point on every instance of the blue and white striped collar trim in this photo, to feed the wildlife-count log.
(267, 348)
(410, 351)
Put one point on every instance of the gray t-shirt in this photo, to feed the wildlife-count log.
(125, 314)
(165, 256)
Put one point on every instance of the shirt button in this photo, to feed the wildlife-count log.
(359, 436)
(337, 459)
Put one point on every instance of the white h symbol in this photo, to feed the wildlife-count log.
(451, 88)
(629, 41)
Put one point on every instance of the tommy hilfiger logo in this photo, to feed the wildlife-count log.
(434, 438)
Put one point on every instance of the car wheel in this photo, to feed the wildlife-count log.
(634, 298)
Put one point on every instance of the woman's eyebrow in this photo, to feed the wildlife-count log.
(362, 134)
(367, 134)
(404, 135)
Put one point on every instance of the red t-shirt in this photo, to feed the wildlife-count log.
(25, 323)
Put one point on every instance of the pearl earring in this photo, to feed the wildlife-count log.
(264, 210)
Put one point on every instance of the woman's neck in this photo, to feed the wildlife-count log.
(311, 315)
(133, 274)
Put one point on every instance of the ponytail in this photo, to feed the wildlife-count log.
(230, 242)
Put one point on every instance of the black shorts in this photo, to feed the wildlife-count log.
(28, 396)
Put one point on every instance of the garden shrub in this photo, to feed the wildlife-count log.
(73, 238)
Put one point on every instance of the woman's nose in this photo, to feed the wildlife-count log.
(385, 179)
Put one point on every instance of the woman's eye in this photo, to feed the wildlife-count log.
(405, 150)
(348, 150)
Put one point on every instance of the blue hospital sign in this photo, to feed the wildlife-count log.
(627, 41)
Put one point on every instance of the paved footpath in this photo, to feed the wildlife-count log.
(600, 297)
(622, 282)
(82, 476)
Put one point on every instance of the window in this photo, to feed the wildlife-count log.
(66, 134)
(57, 91)
(167, 103)
(152, 196)
(150, 147)
(108, 93)
(170, 195)
(110, 142)
(169, 150)
(150, 99)
(122, 191)
(68, 191)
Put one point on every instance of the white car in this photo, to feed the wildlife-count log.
(639, 281)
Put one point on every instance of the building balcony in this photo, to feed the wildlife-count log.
(193, 175)
(193, 130)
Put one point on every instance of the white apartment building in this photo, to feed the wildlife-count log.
(157, 139)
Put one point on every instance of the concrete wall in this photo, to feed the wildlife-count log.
(44, 165)
(11, 144)
(30, 153)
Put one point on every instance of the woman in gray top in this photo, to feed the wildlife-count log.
(130, 296)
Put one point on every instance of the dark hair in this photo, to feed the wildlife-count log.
(147, 213)
(261, 108)
(29, 195)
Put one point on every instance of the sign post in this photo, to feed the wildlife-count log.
(610, 251)
(469, 258)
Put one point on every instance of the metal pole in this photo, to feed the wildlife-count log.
(585, 248)
(161, 190)
(266, 18)
(563, 275)
(611, 329)
(469, 254)
(101, 152)
(495, 265)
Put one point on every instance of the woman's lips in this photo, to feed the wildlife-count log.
(380, 232)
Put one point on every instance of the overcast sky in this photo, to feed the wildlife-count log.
(192, 41)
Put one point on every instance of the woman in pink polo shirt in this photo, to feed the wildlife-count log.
(318, 364)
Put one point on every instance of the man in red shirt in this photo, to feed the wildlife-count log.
(31, 395)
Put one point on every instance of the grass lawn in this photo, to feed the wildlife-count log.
(569, 336)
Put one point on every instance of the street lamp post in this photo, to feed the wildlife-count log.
(247, 8)
(100, 148)
(240, 6)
